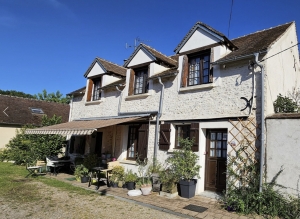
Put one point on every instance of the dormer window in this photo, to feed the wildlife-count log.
(97, 89)
(141, 83)
(197, 69)
(94, 89)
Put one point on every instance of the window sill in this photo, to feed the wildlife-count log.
(131, 162)
(137, 96)
(198, 87)
(93, 102)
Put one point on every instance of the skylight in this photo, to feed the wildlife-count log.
(37, 110)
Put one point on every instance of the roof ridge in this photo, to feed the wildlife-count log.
(110, 62)
(158, 52)
(259, 31)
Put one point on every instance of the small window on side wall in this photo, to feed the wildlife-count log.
(190, 131)
(182, 131)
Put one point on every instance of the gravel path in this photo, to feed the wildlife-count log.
(55, 203)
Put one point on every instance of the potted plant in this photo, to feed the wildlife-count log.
(81, 172)
(183, 164)
(144, 182)
(130, 179)
(117, 175)
(113, 181)
(153, 171)
(169, 182)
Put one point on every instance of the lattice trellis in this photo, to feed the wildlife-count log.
(244, 150)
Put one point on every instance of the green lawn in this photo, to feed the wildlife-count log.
(14, 185)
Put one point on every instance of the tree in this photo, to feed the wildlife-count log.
(25, 148)
(16, 94)
(52, 97)
(284, 104)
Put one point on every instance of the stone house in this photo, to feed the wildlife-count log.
(17, 112)
(206, 91)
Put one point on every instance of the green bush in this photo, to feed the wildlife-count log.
(130, 176)
(284, 105)
(90, 161)
(80, 171)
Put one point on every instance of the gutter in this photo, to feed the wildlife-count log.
(262, 147)
(157, 121)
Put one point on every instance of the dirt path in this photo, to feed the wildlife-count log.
(55, 203)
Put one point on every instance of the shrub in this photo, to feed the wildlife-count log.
(284, 105)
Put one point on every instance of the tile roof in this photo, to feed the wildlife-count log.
(153, 52)
(256, 42)
(77, 92)
(110, 67)
(230, 44)
(18, 110)
(119, 82)
(170, 72)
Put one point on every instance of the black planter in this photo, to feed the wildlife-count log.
(130, 185)
(113, 184)
(187, 188)
(84, 179)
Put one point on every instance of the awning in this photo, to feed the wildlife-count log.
(80, 127)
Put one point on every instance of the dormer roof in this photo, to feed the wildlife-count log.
(221, 38)
(107, 67)
(256, 42)
(152, 55)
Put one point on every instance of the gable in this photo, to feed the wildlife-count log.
(200, 38)
(96, 70)
(141, 57)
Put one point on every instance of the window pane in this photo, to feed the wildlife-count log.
(224, 153)
(206, 58)
(205, 72)
(212, 136)
(212, 153)
(219, 136)
(225, 136)
(212, 144)
(219, 144)
(205, 64)
(219, 153)
(224, 144)
(205, 80)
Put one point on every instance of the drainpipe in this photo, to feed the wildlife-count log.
(157, 120)
(262, 147)
(120, 99)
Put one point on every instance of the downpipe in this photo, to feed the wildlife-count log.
(157, 121)
(262, 147)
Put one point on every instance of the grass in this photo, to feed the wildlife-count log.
(14, 185)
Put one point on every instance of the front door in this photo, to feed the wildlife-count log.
(216, 158)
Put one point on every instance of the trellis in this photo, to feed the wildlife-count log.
(243, 151)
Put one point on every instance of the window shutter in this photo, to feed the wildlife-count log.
(211, 66)
(142, 145)
(194, 134)
(89, 90)
(164, 136)
(131, 83)
(185, 71)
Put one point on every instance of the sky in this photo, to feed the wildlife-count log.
(50, 44)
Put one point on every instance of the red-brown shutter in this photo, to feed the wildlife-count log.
(194, 134)
(142, 144)
(131, 83)
(164, 136)
(185, 71)
(89, 90)
(211, 66)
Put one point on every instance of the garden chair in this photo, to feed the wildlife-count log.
(33, 170)
(53, 165)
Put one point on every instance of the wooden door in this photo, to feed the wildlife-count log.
(216, 158)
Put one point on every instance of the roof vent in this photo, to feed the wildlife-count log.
(36, 110)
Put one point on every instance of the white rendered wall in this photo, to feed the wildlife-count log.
(140, 58)
(282, 70)
(283, 150)
(96, 70)
(6, 134)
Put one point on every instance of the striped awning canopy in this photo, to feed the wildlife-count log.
(80, 127)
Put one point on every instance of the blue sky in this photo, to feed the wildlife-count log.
(49, 44)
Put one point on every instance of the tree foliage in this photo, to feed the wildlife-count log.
(25, 148)
(52, 97)
(285, 104)
(16, 94)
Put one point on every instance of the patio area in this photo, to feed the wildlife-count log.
(196, 207)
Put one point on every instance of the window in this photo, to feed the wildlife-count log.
(199, 70)
(182, 131)
(137, 141)
(141, 83)
(218, 144)
(97, 89)
(190, 131)
(36, 110)
(94, 89)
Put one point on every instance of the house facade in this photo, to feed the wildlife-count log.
(17, 112)
(204, 92)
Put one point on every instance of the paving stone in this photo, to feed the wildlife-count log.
(201, 215)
